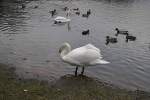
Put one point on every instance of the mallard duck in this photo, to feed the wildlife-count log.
(123, 32)
(86, 32)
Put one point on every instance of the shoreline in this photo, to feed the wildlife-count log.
(68, 87)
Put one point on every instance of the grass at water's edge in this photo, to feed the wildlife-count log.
(66, 88)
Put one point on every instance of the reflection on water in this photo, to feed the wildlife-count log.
(117, 1)
(30, 41)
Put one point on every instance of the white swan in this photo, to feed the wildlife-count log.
(60, 19)
(87, 55)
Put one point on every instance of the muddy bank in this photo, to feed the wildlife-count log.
(67, 87)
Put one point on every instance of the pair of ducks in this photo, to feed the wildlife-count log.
(128, 37)
(122, 32)
(78, 12)
(75, 9)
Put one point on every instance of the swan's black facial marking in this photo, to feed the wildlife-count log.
(62, 48)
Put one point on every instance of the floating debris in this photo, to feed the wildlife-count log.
(25, 90)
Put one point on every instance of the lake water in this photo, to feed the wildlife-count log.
(30, 41)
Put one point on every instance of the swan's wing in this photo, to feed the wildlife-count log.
(82, 56)
(99, 60)
(90, 46)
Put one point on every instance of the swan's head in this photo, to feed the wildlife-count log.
(65, 48)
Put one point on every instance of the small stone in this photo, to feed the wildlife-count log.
(58, 89)
(25, 90)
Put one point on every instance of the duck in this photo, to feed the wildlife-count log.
(85, 15)
(53, 12)
(89, 12)
(123, 32)
(77, 13)
(36, 6)
(87, 55)
(130, 37)
(65, 8)
(23, 6)
(60, 19)
(86, 32)
(76, 9)
(110, 40)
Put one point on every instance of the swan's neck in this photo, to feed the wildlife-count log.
(65, 50)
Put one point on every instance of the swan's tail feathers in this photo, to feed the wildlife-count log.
(103, 62)
(99, 61)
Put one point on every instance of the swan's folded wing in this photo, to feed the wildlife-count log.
(71, 60)
(90, 46)
(82, 55)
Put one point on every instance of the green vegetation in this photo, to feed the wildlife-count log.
(66, 88)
